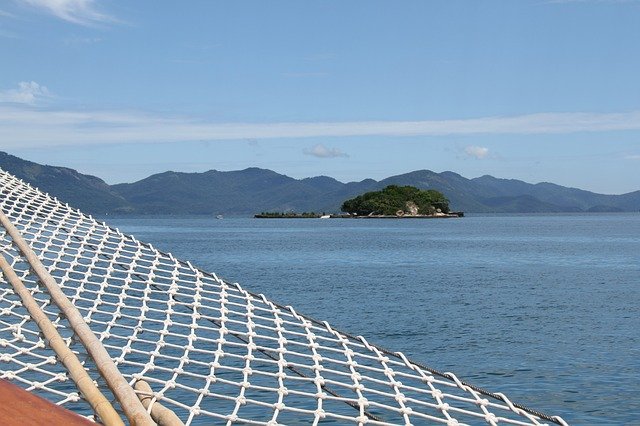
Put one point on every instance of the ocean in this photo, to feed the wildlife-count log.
(544, 308)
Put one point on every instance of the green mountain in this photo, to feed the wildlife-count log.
(89, 193)
(245, 192)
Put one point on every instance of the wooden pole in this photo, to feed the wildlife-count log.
(100, 404)
(125, 394)
(162, 415)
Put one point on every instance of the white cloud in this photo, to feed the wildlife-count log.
(477, 152)
(28, 92)
(82, 12)
(632, 157)
(305, 74)
(7, 34)
(80, 41)
(23, 127)
(322, 151)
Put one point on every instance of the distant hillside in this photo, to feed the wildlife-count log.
(88, 193)
(245, 192)
(242, 192)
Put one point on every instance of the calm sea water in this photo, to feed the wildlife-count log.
(544, 308)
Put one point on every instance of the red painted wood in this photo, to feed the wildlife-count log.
(21, 408)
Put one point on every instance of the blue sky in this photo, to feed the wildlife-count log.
(533, 90)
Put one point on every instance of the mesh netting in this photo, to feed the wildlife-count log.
(211, 351)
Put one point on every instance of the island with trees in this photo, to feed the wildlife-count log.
(392, 202)
(399, 202)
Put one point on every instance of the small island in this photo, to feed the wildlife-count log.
(399, 202)
(392, 202)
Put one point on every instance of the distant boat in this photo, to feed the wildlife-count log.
(219, 216)
(325, 216)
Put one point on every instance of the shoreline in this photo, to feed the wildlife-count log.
(344, 216)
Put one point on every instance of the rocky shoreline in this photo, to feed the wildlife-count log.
(348, 216)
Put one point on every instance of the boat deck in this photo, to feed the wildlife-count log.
(19, 407)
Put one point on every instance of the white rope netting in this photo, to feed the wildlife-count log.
(212, 352)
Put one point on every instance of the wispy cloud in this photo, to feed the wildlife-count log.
(322, 151)
(320, 57)
(28, 92)
(35, 127)
(81, 12)
(477, 152)
(635, 157)
(4, 33)
(305, 74)
(81, 41)
(8, 34)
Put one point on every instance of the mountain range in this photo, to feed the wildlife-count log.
(254, 190)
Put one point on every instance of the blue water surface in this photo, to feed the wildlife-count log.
(541, 307)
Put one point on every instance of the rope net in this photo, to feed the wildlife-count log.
(211, 351)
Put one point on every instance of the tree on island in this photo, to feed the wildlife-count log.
(395, 199)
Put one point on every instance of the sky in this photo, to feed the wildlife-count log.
(541, 90)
